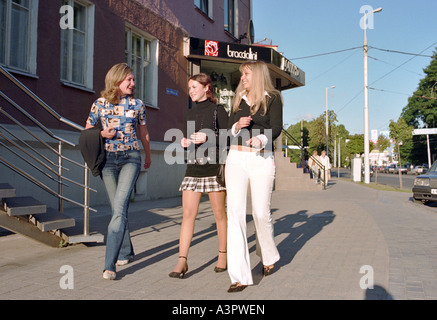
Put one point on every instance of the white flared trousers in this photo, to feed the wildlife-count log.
(258, 171)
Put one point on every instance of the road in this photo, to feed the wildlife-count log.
(383, 178)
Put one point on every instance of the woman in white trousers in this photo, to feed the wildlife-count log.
(255, 122)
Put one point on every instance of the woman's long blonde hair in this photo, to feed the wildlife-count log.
(113, 78)
(261, 83)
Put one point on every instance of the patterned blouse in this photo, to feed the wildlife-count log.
(124, 117)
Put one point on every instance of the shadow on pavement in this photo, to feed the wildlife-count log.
(300, 228)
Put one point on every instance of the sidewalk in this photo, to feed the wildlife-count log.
(324, 237)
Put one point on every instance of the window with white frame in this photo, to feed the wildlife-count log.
(230, 16)
(77, 45)
(18, 34)
(141, 52)
(205, 6)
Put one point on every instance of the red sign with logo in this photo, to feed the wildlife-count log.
(211, 48)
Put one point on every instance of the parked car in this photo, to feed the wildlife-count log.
(370, 171)
(419, 170)
(404, 169)
(425, 185)
(390, 169)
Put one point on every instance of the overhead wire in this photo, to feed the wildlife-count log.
(326, 53)
(393, 65)
(360, 47)
(354, 48)
(334, 66)
(329, 69)
(401, 52)
(415, 55)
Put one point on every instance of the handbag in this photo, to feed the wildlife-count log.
(221, 175)
(220, 178)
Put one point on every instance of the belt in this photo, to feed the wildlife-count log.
(246, 149)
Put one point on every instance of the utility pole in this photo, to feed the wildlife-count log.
(327, 122)
(366, 104)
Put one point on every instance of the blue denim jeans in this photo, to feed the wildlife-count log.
(119, 175)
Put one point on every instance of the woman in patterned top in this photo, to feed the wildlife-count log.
(123, 120)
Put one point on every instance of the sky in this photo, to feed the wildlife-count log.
(303, 28)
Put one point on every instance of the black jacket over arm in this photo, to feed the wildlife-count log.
(92, 147)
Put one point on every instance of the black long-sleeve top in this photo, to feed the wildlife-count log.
(269, 124)
(202, 113)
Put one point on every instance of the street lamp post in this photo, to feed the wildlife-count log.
(327, 123)
(366, 104)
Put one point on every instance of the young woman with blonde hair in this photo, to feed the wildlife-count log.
(123, 119)
(255, 122)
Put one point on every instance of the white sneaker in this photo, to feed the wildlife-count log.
(123, 262)
(109, 275)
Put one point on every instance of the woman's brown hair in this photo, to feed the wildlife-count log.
(205, 80)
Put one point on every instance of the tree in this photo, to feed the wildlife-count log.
(313, 135)
(421, 112)
(401, 132)
(317, 132)
(341, 136)
(299, 132)
(421, 109)
(355, 145)
(383, 143)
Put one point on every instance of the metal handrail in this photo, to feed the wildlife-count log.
(38, 100)
(39, 124)
(42, 142)
(86, 188)
(39, 183)
(306, 153)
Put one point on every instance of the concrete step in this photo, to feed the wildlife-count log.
(22, 226)
(23, 206)
(290, 177)
(6, 191)
(53, 220)
(303, 182)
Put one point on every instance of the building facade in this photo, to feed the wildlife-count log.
(62, 49)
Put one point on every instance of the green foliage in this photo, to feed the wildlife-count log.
(421, 109)
(383, 143)
(421, 112)
(355, 144)
(313, 135)
(401, 132)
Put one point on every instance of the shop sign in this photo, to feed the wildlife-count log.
(234, 51)
(225, 50)
(289, 67)
(285, 65)
(211, 48)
